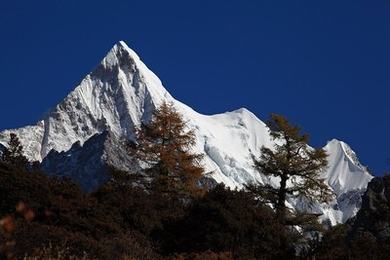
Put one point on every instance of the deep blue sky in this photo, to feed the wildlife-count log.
(323, 64)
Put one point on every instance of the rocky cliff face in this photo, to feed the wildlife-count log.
(374, 215)
(89, 165)
(121, 92)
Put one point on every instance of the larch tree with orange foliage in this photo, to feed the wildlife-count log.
(293, 161)
(163, 146)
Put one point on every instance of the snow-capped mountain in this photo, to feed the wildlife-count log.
(122, 92)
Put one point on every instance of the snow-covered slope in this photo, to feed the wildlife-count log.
(121, 92)
(345, 172)
(347, 177)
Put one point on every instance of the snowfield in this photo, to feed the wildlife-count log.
(122, 92)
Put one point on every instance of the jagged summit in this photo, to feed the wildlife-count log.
(120, 54)
(122, 44)
(121, 92)
(118, 94)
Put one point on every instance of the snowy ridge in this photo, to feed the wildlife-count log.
(122, 92)
(345, 173)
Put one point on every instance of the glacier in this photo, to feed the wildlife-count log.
(121, 92)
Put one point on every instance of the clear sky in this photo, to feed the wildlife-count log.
(323, 64)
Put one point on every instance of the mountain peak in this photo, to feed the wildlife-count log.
(337, 142)
(346, 150)
(120, 54)
(122, 43)
(120, 93)
(242, 110)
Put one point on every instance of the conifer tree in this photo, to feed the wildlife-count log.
(295, 164)
(163, 146)
(13, 153)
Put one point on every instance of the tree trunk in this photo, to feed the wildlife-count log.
(282, 193)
